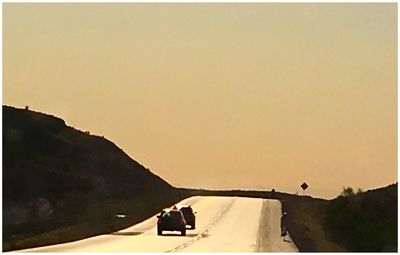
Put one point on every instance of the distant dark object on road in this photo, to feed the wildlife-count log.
(284, 223)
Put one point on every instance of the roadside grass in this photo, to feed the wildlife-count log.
(306, 225)
(95, 219)
(353, 222)
(365, 221)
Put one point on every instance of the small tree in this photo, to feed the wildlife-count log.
(347, 192)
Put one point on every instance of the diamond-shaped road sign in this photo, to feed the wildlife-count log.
(304, 186)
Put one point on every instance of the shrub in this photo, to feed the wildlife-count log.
(364, 221)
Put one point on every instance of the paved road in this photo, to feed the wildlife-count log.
(224, 224)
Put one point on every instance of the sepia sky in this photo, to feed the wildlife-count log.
(255, 96)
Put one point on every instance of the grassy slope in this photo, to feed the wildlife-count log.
(363, 222)
(135, 211)
(306, 224)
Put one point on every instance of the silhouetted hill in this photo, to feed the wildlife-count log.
(55, 176)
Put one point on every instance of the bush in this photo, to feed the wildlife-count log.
(364, 221)
(349, 191)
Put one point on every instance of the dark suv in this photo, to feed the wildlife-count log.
(171, 220)
(189, 216)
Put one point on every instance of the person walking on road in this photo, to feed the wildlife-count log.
(284, 224)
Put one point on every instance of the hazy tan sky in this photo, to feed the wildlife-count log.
(219, 95)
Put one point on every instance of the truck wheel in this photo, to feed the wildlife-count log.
(183, 232)
(159, 232)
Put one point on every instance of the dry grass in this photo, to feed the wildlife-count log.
(306, 224)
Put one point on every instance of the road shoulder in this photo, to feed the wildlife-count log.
(268, 237)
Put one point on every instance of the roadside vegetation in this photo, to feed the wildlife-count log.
(95, 218)
(355, 221)
(364, 221)
(306, 218)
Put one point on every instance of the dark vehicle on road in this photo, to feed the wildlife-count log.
(189, 215)
(171, 220)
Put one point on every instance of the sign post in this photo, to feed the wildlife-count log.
(304, 186)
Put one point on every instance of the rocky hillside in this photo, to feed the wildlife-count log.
(56, 176)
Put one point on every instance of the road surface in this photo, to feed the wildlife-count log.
(223, 224)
